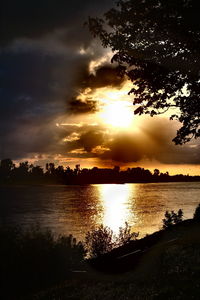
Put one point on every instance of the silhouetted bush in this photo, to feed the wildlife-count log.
(33, 259)
(99, 241)
(125, 235)
(172, 218)
(102, 240)
(196, 216)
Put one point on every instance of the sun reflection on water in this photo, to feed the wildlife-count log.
(115, 200)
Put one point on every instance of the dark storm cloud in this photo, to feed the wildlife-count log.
(91, 139)
(37, 138)
(156, 143)
(77, 106)
(124, 148)
(153, 142)
(36, 18)
(39, 66)
(32, 96)
(188, 154)
(34, 88)
(104, 76)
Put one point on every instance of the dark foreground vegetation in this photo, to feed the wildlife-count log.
(165, 265)
(170, 269)
(31, 260)
(26, 173)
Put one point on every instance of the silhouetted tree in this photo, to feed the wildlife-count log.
(28, 173)
(102, 240)
(125, 235)
(196, 216)
(116, 169)
(172, 218)
(180, 216)
(7, 165)
(177, 218)
(157, 44)
(167, 221)
(22, 172)
(156, 172)
(51, 168)
(77, 169)
(47, 167)
(6, 168)
(99, 241)
(37, 172)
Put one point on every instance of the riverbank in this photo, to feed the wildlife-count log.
(163, 265)
(82, 182)
(168, 269)
(130, 255)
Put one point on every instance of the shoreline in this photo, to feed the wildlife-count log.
(91, 183)
(147, 265)
(127, 257)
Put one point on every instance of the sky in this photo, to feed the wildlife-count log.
(63, 101)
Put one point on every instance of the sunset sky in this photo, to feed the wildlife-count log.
(62, 100)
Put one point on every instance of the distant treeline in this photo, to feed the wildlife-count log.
(27, 173)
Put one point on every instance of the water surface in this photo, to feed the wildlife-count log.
(77, 209)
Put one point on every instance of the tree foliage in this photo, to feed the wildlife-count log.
(99, 241)
(157, 45)
(196, 216)
(172, 218)
(102, 239)
(125, 235)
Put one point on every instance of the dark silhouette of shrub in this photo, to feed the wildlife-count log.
(125, 235)
(172, 218)
(99, 241)
(177, 218)
(34, 259)
(167, 221)
(102, 240)
(196, 216)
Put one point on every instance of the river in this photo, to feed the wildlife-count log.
(77, 209)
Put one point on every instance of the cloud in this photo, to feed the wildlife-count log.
(151, 142)
(35, 18)
(78, 106)
(89, 140)
(39, 73)
(45, 56)
(123, 148)
(105, 75)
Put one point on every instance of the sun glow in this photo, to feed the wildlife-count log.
(114, 107)
(117, 114)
